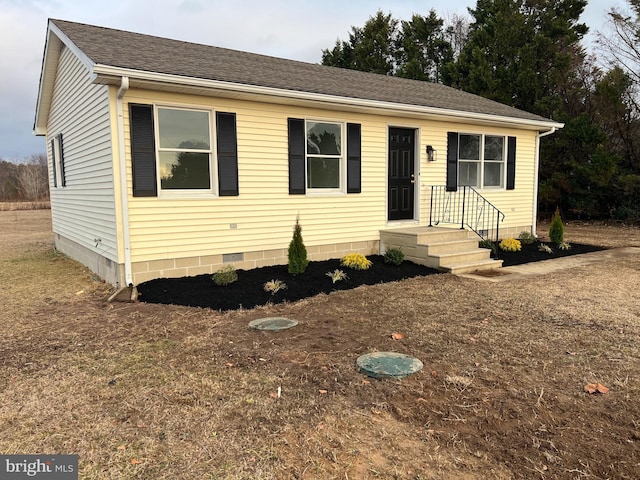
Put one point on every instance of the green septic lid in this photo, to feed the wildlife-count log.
(388, 364)
(273, 323)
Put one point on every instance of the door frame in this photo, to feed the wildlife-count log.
(416, 169)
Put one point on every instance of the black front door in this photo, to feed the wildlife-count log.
(401, 173)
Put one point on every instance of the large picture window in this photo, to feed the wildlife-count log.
(324, 155)
(184, 149)
(481, 160)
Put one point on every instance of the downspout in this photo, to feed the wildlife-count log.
(536, 173)
(124, 197)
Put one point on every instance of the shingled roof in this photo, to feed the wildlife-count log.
(145, 53)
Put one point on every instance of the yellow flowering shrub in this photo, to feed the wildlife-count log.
(510, 245)
(355, 261)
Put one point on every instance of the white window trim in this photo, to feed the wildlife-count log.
(342, 189)
(481, 161)
(213, 155)
(57, 165)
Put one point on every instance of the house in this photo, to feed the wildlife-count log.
(169, 158)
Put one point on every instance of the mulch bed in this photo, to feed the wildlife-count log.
(248, 291)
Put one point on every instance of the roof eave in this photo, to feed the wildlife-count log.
(108, 74)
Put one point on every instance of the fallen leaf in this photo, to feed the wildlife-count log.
(121, 447)
(602, 389)
(420, 399)
(273, 394)
(80, 292)
(323, 392)
(366, 382)
(135, 461)
(397, 336)
(228, 364)
(434, 374)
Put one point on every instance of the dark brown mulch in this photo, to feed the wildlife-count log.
(248, 291)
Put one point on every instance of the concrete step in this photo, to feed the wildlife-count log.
(476, 266)
(452, 246)
(479, 254)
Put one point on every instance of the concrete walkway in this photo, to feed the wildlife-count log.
(553, 265)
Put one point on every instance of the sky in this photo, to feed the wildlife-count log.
(293, 29)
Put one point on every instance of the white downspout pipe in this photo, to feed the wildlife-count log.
(124, 198)
(536, 179)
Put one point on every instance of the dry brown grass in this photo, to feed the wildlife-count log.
(147, 391)
(12, 206)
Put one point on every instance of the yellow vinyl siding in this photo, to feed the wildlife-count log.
(264, 213)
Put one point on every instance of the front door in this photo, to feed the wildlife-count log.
(401, 173)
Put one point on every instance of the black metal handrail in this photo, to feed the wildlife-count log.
(465, 207)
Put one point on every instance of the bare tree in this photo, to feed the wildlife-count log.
(621, 42)
(456, 31)
(32, 178)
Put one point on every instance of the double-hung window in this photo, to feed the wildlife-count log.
(184, 149)
(481, 160)
(324, 156)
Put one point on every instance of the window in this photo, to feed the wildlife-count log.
(324, 156)
(184, 149)
(57, 161)
(481, 160)
(173, 149)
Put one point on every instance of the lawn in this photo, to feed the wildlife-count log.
(145, 391)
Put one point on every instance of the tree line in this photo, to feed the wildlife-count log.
(24, 181)
(531, 54)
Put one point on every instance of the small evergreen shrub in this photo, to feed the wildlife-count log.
(297, 254)
(556, 229)
(337, 275)
(394, 256)
(510, 245)
(355, 261)
(526, 238)
(225, 276)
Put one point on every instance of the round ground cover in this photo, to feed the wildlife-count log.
(273, 323)
(248, 291)
(388, 364)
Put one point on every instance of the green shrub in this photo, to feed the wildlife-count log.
(526, 238)
(510, 245)
(489, 245)
(355, 261)
(394, 256)
(297, 252)
(225, 276)
(556, 229)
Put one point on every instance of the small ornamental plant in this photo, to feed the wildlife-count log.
(225, 276)
(394, 256)
(489, 245)
(545, 248)
(297, 254)
(564, 246)
(526, 238)
(510, 245)
(556, 229)
(337, 275)
(355, 261)
(274, 286)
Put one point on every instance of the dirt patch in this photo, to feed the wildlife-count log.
(161, 391)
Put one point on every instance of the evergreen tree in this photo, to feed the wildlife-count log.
(297, 251)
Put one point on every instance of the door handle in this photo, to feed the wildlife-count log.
(413, 178)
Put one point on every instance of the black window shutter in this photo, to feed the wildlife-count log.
(297, 174)
(53, 163)
(354, 155)
(227, 154)
(452, 161)
(511, 163)
(63, 176)
(143, 155)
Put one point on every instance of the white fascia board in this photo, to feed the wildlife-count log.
(53, 44)
(162, 78)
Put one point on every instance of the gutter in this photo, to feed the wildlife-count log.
(124, 197)
(107, 74)
(551, 131)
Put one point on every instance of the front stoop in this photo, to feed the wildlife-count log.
(446, 249)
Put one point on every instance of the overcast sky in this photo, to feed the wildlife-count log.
(294, 29)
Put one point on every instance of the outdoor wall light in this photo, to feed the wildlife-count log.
(431, 154)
